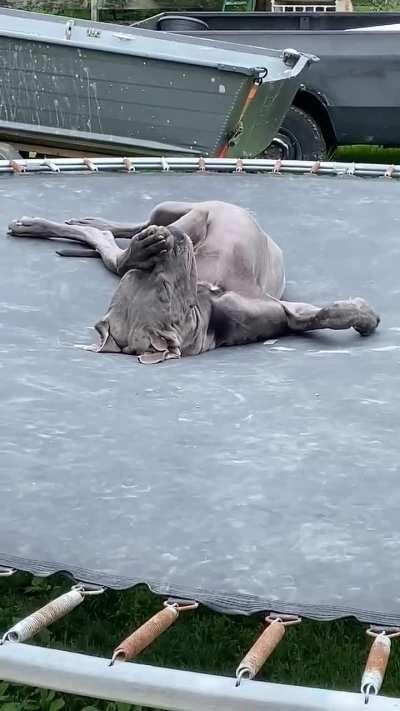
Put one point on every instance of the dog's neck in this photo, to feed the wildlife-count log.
(202, 337)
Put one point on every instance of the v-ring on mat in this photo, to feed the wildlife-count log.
(262, 477)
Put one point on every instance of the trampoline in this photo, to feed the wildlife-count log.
(261, 478)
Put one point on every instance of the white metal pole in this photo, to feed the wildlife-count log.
(209, 164)
(94, 10)
(166, 688)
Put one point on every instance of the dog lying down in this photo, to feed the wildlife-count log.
(194, 277)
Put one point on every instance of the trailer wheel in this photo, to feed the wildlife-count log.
(299, 138)
(8, 152)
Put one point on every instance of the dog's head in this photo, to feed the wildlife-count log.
(155, 314)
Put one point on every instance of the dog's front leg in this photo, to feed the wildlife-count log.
(118, 229)
(102, 242)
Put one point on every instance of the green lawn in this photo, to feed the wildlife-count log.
(329, 655)
(367, 154)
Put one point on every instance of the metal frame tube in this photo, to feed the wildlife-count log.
(209, 164)
(94, 10)
(165, 688)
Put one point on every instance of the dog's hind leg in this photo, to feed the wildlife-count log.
(351, 313)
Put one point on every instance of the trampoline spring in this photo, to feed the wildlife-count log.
(52, 165)
(17, 166)
(68, 29)
(239, 166)
(264, 646)
(390, 171)
(89, 164)
(276, 170)
(56, 609)
(315, 168)
(128, 165)
(164, 163)
(147, 633)
(376, 665)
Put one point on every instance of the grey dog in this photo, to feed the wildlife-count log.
(194, 277)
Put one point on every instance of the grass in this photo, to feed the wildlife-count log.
(367, 154)
(328, 655)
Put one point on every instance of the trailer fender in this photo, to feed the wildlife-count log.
(316, 105)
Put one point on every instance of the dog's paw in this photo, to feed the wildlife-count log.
(24, 226)
(367, 320)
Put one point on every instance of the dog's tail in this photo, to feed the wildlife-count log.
(76, 252)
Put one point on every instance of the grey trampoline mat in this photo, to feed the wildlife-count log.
(254, 478)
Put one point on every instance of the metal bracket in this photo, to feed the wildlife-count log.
(88, 590)
(290, 57)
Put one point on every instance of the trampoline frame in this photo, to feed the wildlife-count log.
(237, 165)
(168, 689)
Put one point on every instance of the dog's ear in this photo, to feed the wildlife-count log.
(152, 358)
(108, 343)
(158, 357)
(161, 351)
(159, 343)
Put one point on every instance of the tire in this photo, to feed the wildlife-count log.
(299, 138)
(8, 152)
